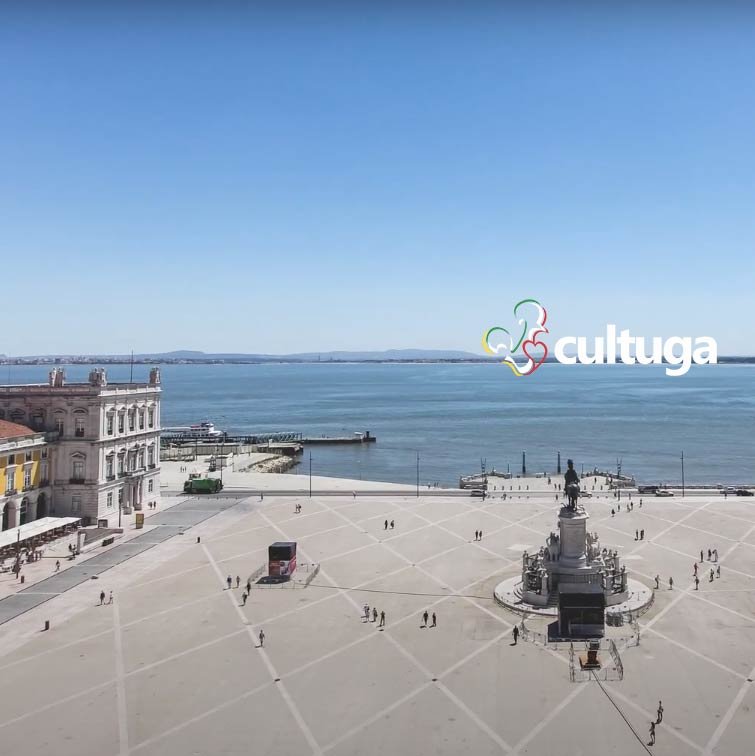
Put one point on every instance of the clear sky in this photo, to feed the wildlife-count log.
(267, 178)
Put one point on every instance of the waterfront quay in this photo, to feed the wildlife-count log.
(174, 665)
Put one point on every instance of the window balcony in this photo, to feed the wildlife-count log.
(77, 481)
(110, 477)
(79, 433)
(152, 466)
(27, 488)
(122, 474)
(10, 491)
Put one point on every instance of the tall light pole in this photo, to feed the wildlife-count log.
(682, 473)
(310, 475)
(418, 474)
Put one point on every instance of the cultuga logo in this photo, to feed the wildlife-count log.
(521, 347)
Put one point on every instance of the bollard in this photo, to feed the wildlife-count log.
(47, 624)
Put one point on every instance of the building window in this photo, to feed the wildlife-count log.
(79, 427)
(110, 500)
(60, 425)
(121, 422)
(150, 485)
(78, 469)
(120, 497)
(27, 457)
(11, 459)
(27, 477)
(141, 459)
(43, 473)
(141, 419)
(109, 466)
(10, 474)
(151, 456)
(131, 419)
(76, 504)
(44, 454)
(17, 415)
(151, 417)
(120, 464)
(110, 423)
(38, 420)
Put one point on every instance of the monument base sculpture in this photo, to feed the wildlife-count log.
(573, 565)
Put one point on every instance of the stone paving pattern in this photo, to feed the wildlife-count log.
(173, 666)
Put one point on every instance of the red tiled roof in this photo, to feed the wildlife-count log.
(11, 430)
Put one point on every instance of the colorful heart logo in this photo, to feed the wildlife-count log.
(498, 341)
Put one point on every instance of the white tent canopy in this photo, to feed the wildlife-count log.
(37, 528)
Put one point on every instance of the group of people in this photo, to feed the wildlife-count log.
(658, 720)
(386, 525)
(102, 598)
(375, 615)
(478, 535)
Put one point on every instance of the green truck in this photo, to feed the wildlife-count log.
(203, 485)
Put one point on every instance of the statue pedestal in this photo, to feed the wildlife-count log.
(572, 527)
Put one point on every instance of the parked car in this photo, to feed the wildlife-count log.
(664, 492)
(477, 492)
(744, 492)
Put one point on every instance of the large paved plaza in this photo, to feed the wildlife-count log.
(172, 667)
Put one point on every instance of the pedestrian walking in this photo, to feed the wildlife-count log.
(636, 535)
(642, 534)
(382, 619)
(476, 534)
(425, 617)
(613, 512)
(248, 586)
(102, 597)
(435, 621)
(660, 712)
(110, 599)
(244, 597)
(652, 734)
(671, 584)
(392, 524)
(709, 555)
(57, 566)
(657, 582)
(702, 559)
(262, 638)
(238, 581)
(366, 609)
(386, 525)
(711, 575)
(480, 538)
(229, 580)
(374, 615)
(515, 633)
(715, 554)
(640, 503)
(694, 569)
(718, 571)
(697, 582)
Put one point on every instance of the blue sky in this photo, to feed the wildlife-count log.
(368, 176)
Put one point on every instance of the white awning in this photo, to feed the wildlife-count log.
(31, 529)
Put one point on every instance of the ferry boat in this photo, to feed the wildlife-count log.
(197, 431)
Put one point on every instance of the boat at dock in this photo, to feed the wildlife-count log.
(197, 431)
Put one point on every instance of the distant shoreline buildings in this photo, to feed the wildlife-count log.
(88, 450)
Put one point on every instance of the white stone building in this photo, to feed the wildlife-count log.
(105, 441)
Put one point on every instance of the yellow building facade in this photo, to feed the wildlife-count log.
(24, 475)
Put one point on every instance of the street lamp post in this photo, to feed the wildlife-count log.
(310, 475)
(417, 474)
(682, 473)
